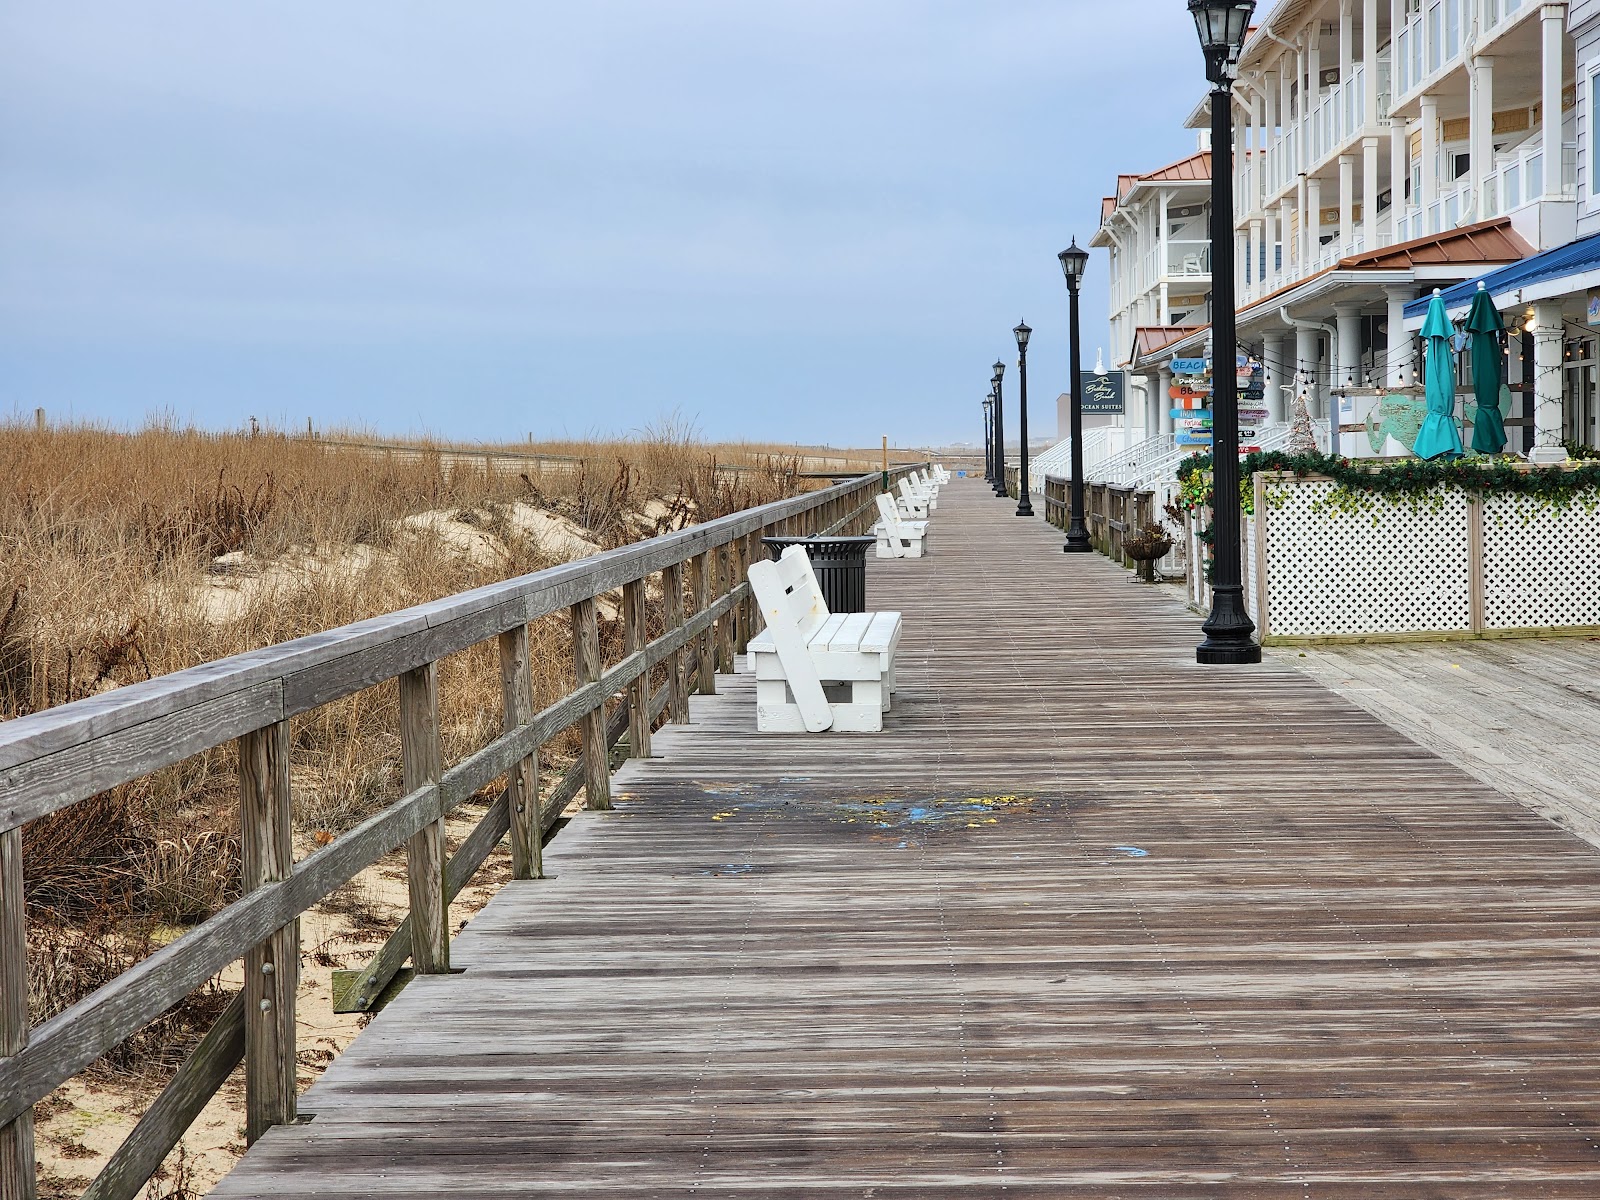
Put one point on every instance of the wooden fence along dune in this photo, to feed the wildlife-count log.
(54, 759)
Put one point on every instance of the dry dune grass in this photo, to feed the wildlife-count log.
(129, 555)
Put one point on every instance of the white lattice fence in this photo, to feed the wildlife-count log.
(1387, 569)
(1541, 565)
(1447, 565)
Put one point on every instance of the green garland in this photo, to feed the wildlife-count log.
(1412, 481)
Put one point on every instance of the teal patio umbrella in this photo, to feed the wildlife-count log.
(1439, 437)
(1485, 326)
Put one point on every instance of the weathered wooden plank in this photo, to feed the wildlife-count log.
(272, 968)
(677, 671)
(701, 585)
(33, 788)
(636, 638)
(425, 853)
(370, 665)
(16, 1129)
(522, 793)
(172, 1112)
(586, 655)
(725, 580)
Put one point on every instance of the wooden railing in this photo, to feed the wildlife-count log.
(55, 759)
(1112, 513)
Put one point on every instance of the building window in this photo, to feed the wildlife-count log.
(1452, 29)
(1435, 38)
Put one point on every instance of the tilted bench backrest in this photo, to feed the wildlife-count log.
(888, 512)
(790, 586)
(911, 493)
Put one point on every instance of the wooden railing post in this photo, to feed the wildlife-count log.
(17, 1168)
(420, 755)
(743, 632)
(636, 635)
(271, 969)
(725, 581)
(522, 783)
(592, 725)
(700, 568)
(677, 676)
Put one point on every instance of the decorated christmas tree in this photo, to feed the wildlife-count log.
(1301, 439)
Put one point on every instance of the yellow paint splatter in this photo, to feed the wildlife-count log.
(722, 816)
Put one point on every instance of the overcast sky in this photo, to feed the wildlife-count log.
(810, 220)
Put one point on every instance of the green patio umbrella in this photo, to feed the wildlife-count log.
(1485, 326)
(1439, 437)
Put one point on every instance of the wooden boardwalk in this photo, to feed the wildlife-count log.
(1086, 920)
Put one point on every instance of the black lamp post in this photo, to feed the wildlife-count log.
(988, 437)
(1024, 506)
(999, 431)
(1074, 262)
(1222, 25)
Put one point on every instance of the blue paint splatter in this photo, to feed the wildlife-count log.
(1132, 851)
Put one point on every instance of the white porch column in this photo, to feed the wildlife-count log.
(1305, 365)
(1311, 219)
(1369, 81)
(1278, 371)
(1430, 160)
(1369, 193)
(1255, 272)
(1258, 152)
(1269, 238)
(1399, 152)
(1547, 380)
(1552, 25)
(1400, 357)
(1347, 40)
(1347, 203)
(1347, 320)
(1164, 413)
(1482, 141)
(1291, 243)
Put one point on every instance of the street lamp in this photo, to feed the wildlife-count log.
(988, 437)
(999, 431)
(1074, 262)
(1222, 25)
(1024, 506)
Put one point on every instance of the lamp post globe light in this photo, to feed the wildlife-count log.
(1222, 25)
(999, 431)
(1074, 262)
(1024, 505)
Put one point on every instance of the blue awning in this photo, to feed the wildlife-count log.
(1575, 258)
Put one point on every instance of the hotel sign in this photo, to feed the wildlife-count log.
(1101, 393)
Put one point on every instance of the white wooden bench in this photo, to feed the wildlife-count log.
(817, 670)
(940, 475)
(923, 485)
(913, 503)
(897, 536)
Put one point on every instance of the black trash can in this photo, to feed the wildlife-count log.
(840, 564)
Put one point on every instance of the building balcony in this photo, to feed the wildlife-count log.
(1516, 182)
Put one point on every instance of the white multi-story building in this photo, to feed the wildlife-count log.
(1382, 148)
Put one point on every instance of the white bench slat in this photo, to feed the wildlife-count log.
(882, 633)
(845, 637)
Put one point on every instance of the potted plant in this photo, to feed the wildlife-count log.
(1145, 546)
